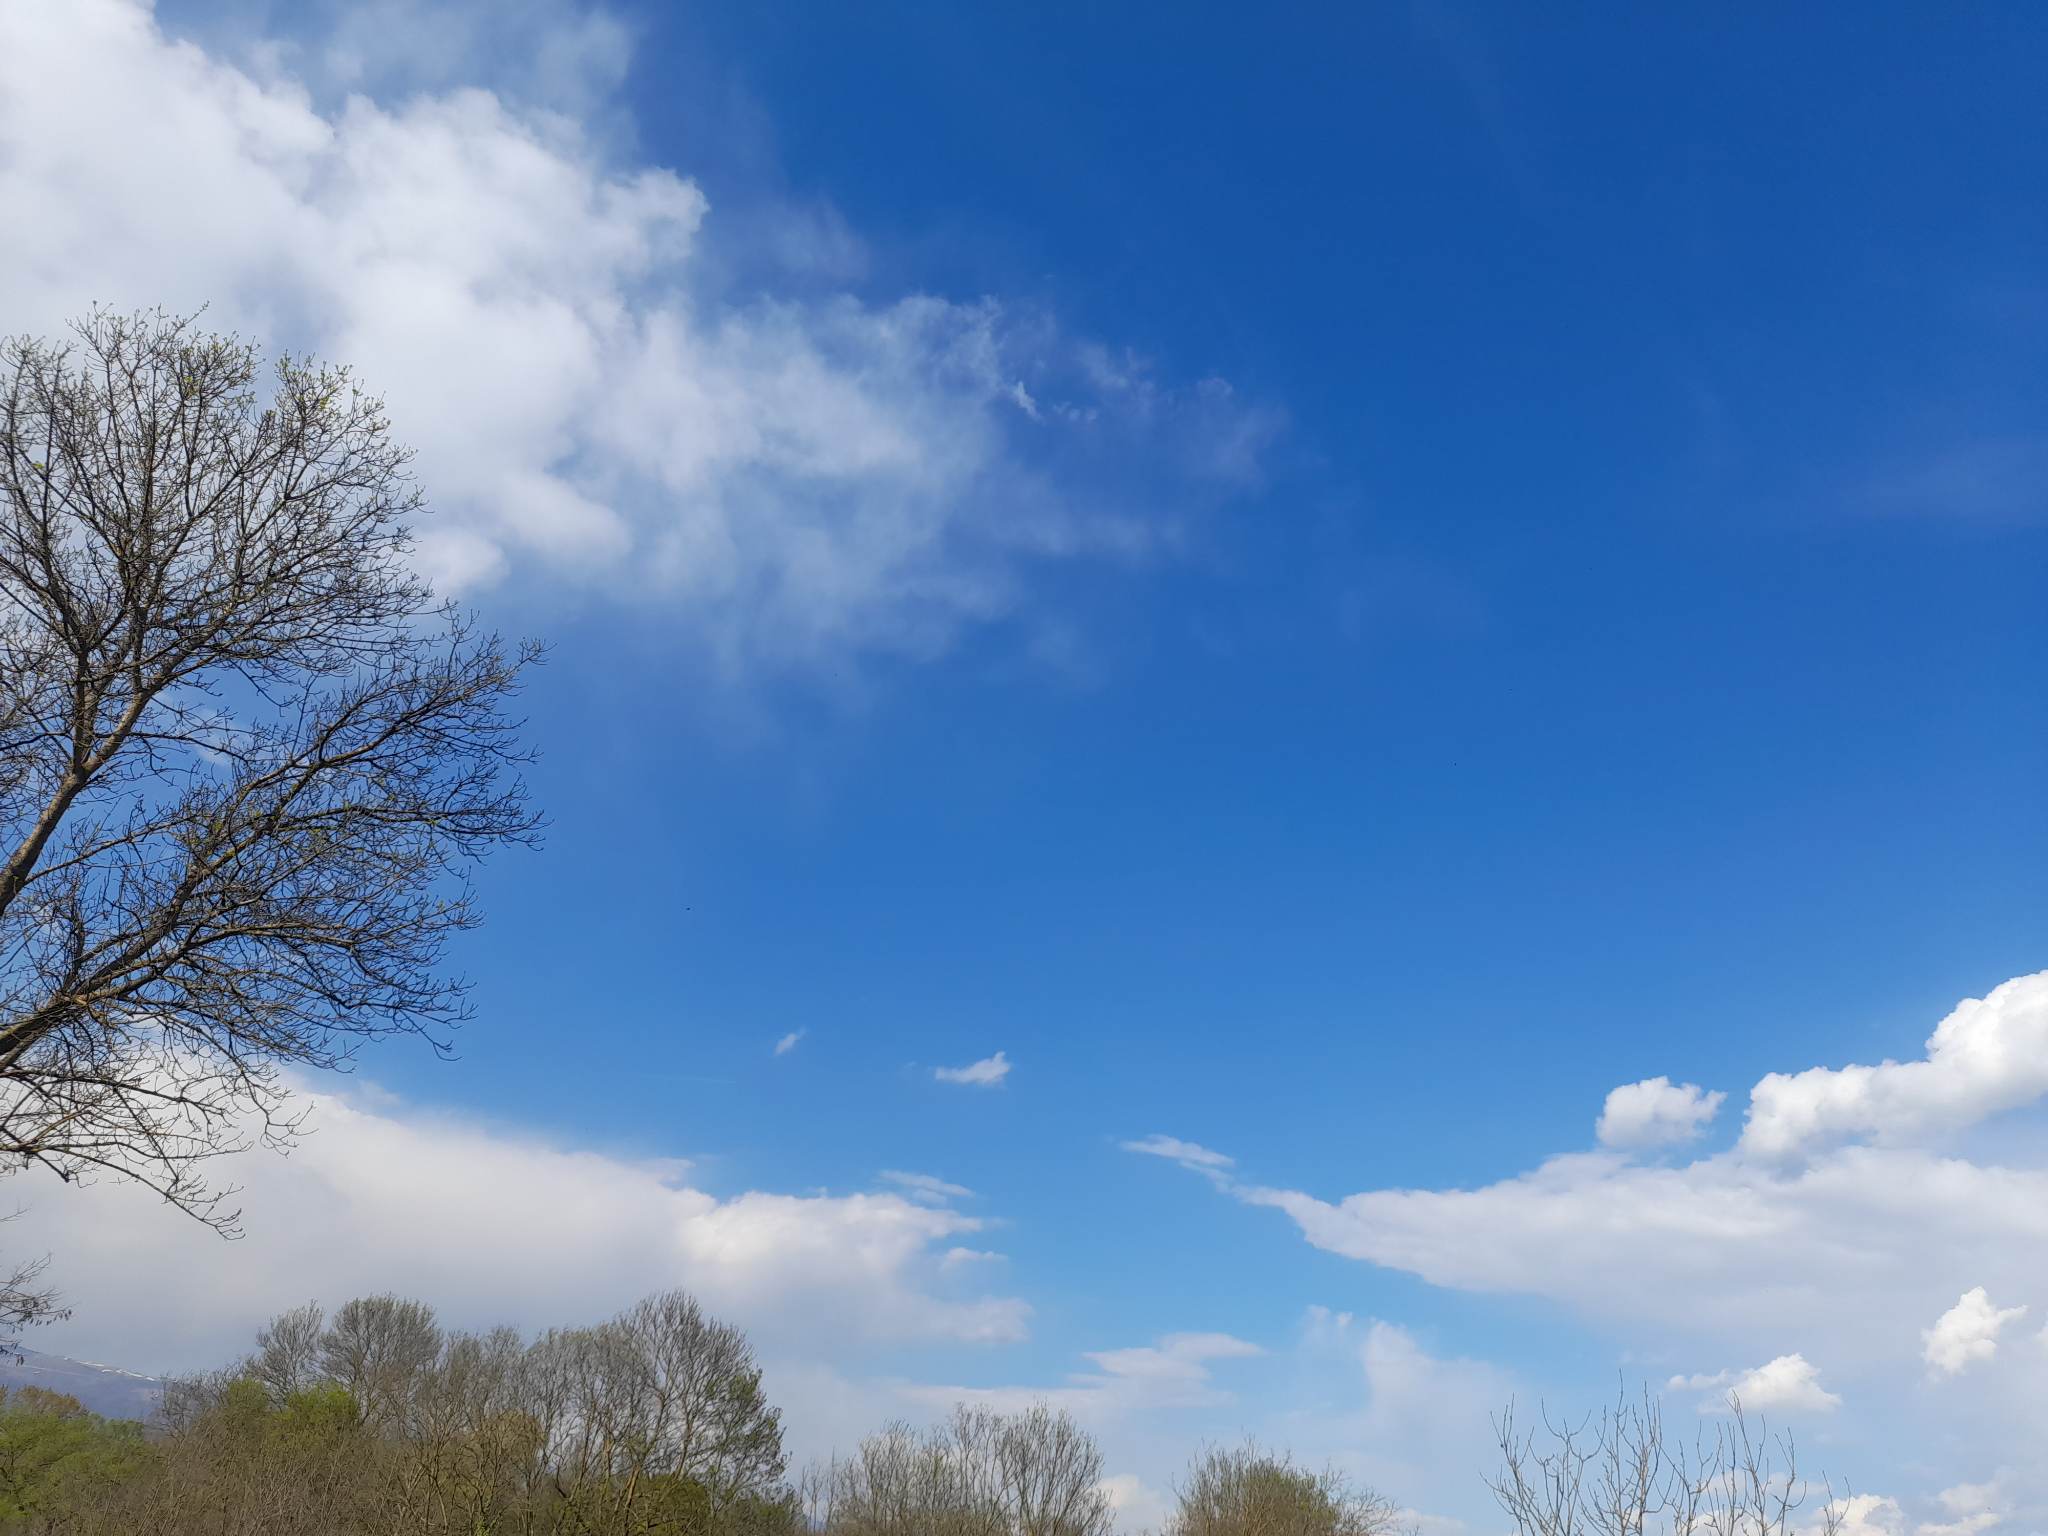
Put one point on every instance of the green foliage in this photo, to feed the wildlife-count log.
(56, 1456)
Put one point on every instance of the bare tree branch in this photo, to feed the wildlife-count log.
(247, 761)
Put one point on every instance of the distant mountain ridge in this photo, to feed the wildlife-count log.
(104, 1389)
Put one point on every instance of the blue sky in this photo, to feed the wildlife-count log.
(1334, 587)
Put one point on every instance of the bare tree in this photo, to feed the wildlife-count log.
(246, 759)
(1620, 1473)
(978, 1473)
(1246, 1491)
(288, 1352)
(380, 1350)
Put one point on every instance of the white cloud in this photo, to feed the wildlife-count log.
(1175, 1371)
(1838, 1248)
(789, 1041)
(1966, 1333)
(954, 1257)
(1850, 1246)
(1989, 1055)
(1835, 1251)
(1373, 1401)
(1137, 1505)
(924, 1187)
(793, 478)
(1656, 1112)
(1865, 1514)
(1971, 1508)
(1190, 1155)
(493, 1226)
(986, 1073)
(1788, 1384)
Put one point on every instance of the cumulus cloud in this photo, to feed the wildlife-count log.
(1848, 1231)
(494, 1226)
(1989, 1055)
(789, 1041)
(1966, 1333)
(1788, 1384)
(1656, 1112)
(792, 477)
(985, 1073)
(1837, 1247)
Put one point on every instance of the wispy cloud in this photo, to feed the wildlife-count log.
(799, 479)
(1190, 1155)
(986, 1073)
(925, 1186)
(789, 1041)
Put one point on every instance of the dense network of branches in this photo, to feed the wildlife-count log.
(246, 760)
(1246, 1491)
(1623, 1473)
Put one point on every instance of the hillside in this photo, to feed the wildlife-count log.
(116, 1394)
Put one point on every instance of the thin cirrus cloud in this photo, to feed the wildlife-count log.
(925, 1187)
(794, 477)
(989, 1072)
(1190, 1155)
(1176, 1371)
(790, 1041)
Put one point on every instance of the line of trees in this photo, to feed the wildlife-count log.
(376, 1419)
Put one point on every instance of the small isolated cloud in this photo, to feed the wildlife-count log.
(985, 1073)
(1788, 1384)
(924, 1187)
(1188, 1154)
(1656, 1113)
(789, 1041)
(1966, 1333)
